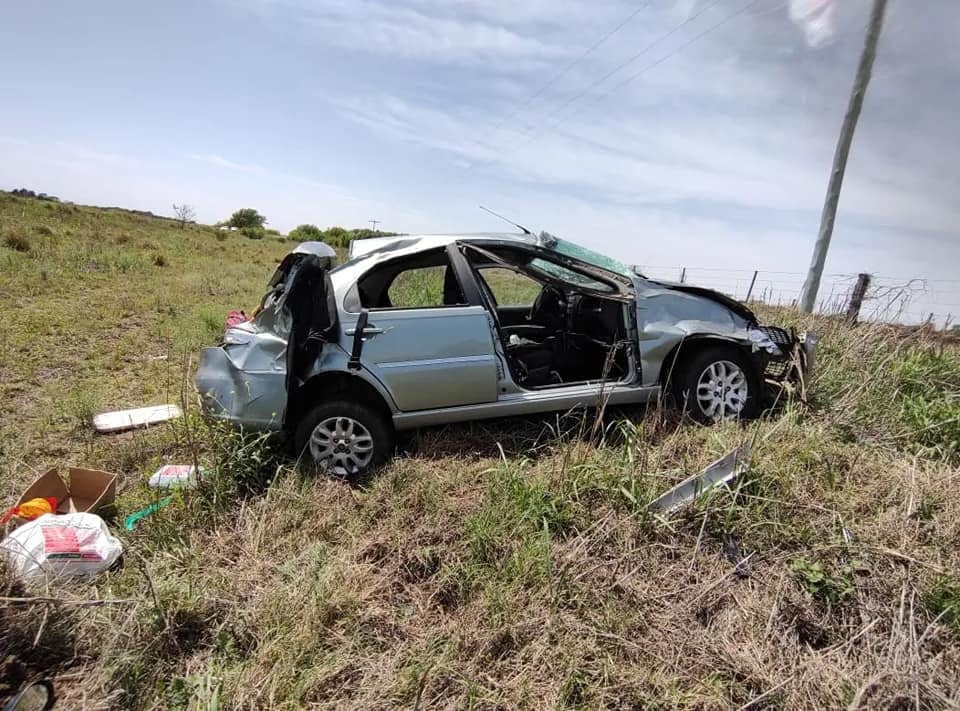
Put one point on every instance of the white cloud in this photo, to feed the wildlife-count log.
(412, 30)
(214, 159)
(663, 163)
(91, 155)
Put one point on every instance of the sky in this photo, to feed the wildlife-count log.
(666, 133)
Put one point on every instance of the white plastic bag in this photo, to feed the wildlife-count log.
(61, 547)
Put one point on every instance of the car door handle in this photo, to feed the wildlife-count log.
(367, 331)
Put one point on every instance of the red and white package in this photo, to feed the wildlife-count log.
(60, 547)
(175, 475)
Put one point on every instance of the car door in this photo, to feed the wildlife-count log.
(425, 341)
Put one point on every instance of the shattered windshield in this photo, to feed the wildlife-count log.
(575, 251)
(568, 275)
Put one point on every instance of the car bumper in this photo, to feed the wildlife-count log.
(249, 399)
(794, 359)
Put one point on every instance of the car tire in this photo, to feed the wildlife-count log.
(344, 438)
(718, 383)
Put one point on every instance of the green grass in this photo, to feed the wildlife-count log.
(498, 565)
(424, 287)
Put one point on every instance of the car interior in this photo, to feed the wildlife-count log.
(557, 326)
(571, 332)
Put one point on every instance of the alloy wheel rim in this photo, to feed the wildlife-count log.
(722, 390)
(341, 445)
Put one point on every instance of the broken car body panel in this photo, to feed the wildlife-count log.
(597, 329)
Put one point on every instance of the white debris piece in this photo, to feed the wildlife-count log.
(722, 472)
(121, 420)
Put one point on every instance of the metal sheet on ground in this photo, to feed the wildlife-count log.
(723, 471)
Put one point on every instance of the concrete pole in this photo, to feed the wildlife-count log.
(829, 214)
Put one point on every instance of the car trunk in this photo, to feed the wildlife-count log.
(260, 364)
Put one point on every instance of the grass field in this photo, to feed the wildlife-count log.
(499, 565)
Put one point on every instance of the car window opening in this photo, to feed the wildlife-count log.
(563, 332)
(420, 281)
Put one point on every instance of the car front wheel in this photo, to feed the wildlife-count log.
(346, 439)
(719, 383)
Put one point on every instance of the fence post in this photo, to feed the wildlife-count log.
(752, 282)
(856, 297)
(683, 274)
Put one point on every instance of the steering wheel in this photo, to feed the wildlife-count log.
(549, 307)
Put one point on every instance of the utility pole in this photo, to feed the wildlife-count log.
(829, 214)
(374, 223)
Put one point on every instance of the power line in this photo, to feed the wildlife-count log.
(630, 60)
(566, 70)
(658, 62)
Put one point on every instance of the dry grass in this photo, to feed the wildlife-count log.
(512, 564)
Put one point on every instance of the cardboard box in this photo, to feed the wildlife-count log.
(86, 490)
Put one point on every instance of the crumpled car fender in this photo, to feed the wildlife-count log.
(665, 320)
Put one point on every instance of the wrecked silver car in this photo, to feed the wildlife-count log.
(416, 331)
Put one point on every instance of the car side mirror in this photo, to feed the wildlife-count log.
(35, 697)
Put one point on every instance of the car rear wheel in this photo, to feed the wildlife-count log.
(346, 439)
(718, 383)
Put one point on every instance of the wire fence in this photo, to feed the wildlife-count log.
(887, 299)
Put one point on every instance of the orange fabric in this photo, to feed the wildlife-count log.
(29, 510)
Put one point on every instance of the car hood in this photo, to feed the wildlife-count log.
(735, 306)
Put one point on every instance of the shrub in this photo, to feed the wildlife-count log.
(253, 232)
(306, 233)
(337, 237)
(16, 241)
(247, 217)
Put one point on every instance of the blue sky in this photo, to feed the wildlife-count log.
(413, 112)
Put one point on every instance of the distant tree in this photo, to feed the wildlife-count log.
(246, 217)
(185, 213)
(306, 233)
(337, 237)
(253, 232)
